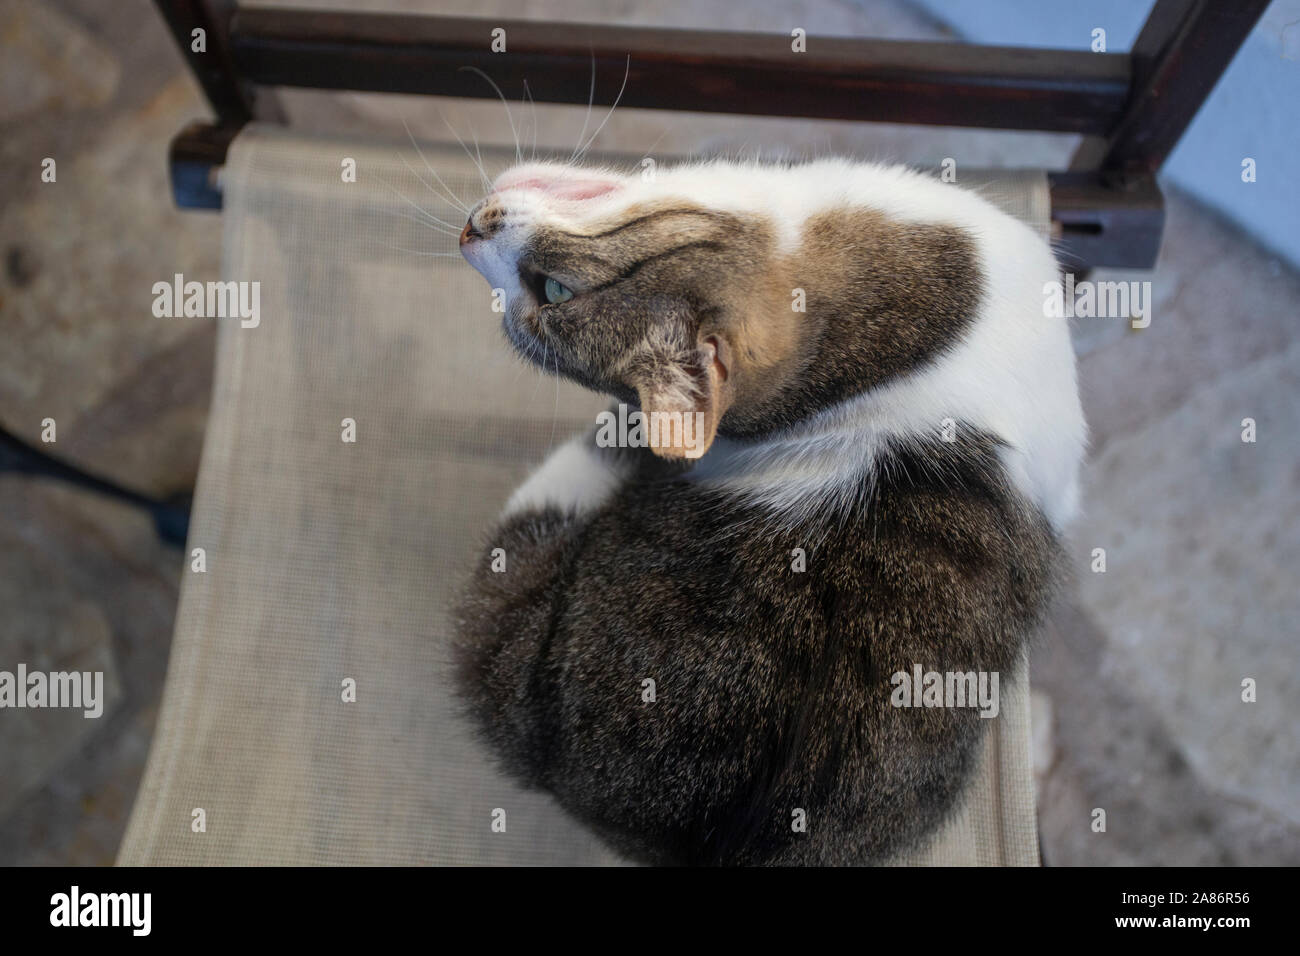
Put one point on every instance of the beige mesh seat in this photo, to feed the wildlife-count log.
(330, 561)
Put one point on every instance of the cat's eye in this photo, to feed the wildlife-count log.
(554, 292)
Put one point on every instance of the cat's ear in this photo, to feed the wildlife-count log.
(683, 407)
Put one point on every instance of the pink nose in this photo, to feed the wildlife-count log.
(469, 232)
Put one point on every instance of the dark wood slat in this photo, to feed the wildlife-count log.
(1101, 223)
(1183, 49)
(196, 156)
(949, 84)
(1097, 223)
(231, 99)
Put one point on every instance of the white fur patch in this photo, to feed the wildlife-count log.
(577, 477)
(1012, 375)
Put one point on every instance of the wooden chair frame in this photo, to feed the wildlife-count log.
(1107, 209)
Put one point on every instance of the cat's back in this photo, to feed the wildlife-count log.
(772, 647)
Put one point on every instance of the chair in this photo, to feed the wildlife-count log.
(330, 561)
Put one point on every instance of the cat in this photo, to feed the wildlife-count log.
(695, 641)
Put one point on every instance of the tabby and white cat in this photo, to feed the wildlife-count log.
(914, 433)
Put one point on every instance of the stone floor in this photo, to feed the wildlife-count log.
(1137, 684)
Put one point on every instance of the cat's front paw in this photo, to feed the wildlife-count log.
(577, 478)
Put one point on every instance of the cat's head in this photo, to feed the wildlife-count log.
(639, 292)
(755, 295)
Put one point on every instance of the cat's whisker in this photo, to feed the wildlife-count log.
(504, 102)
(487, 183)
(524, 363)
(416, 174)
(425, 215)
(627, 71)
(591, 97)
(442, 230)
(658, 140)
(474, 132)
(528, 95)
(455, 200)
(416, 252)
(546, 354)
(534, 349)
(430, 218)
(541, 378)
(555, 412)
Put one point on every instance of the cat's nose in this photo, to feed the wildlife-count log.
(469, 232)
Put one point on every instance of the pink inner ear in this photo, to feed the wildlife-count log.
(562, 188)
(582, 190)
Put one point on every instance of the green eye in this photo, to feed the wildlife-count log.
(556, 293)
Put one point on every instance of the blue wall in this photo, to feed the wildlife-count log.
(1252, 112)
